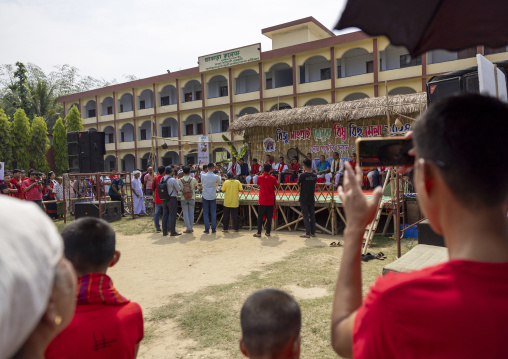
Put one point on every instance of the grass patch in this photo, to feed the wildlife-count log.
(127, 225)
(211, 316)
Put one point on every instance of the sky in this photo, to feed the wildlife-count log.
(109, 38)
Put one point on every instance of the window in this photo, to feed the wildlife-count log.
(188, 96)
(142, 136)
(112, 165)
(110, 110)
(223, 91)
(199, 128)
(144, 163)
(123, 165)
(466, 53)
(110, 138)
(224, 125)
(189, 130)
(339, 72)
(268, 84)
(407, 61)
(91, 113)
(166, 161)
(326, 74)
(122, 137)
(166, 131)
(142, 104)
(198, 95)
(369, 67)
(165, 101)
(121, 107)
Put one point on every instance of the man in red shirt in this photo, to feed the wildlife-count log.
(267, 184)
(105, 324)
(32, 188)
(16, 182)
(458, 309)
(156, 200)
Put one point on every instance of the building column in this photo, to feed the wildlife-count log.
(135, 128)
(96, 113)
(230, 82)
(424, 72)
(332, 73)
(293, 59)
(376, 66)
(115, 134)
(261, 74)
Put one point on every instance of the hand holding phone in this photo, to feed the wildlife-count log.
(384, 152)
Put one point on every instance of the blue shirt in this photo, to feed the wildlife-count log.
(323, 166)
(173, 187)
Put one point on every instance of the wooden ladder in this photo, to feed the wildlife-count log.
(371, 228)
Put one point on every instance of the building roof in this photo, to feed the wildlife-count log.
(342, 111)
(313, 24)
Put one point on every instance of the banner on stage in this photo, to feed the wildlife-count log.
(203, 150)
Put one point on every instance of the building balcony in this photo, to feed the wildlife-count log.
(217, 137)
(89, 121)
(280, 91)
(191, 105)
(105, 118)
(126, 145)
(167, 108)
(354, 80)
(397, 74)
(314, 86)
(217, 101)
(248, 96)
(145, 112)
(450, 65)
(126, 114)
(144, 143)
(110, 146)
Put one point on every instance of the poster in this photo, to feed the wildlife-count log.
(269, 144)
(221, 156)
(203, 150)
(1, 171)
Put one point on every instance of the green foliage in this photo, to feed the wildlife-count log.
(5, 139)
(21, 140)
(73, 120)
(60, 146)
(21, 87)
(39, 144)
(44, 102)
(233, 149)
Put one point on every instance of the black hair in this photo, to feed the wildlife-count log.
(465, 136)
(15, 171)
(161, 169)
(254, 159)
(336, 154)
(186, 170)
(269, 319)
(307, 163)
(267, 167)
(230, 175)
(211, 165)
(89, 243)
(309, 154)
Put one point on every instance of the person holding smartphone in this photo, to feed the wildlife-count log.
(456, 309)
(32, 187)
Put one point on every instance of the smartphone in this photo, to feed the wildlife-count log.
(383, 152)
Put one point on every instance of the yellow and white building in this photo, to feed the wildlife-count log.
(308, 65)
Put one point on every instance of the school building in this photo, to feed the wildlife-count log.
(308, 65)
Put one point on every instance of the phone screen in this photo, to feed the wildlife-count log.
(384, 152)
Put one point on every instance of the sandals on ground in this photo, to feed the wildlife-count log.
(333, 244)
(305, 236)
(257, 235)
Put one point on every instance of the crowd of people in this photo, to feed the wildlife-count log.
(57, 300)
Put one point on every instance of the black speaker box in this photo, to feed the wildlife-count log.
(427, 236)
(86, 151)
(111, 211)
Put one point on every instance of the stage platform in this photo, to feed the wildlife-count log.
(421, 256)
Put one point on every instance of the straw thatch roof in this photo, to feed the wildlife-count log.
(337, 112)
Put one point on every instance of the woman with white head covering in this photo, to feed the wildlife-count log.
(37, 284)
(137, 194)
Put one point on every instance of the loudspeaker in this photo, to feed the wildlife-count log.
(427, 236)
(111, 211)
(86, 151)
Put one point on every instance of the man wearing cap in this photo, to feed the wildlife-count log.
(170, 206)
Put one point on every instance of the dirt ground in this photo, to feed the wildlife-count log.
(153, 267)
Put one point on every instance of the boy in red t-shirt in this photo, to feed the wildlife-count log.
(457, 309)
(157, 213)
(105, 324)
(267, 184)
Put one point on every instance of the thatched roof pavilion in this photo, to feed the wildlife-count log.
(338, 112)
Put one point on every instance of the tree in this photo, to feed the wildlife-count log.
(5, 139)
(21, 87)
(21, 140)
(60, 146)
(74, 120)
(39, 144)
(44, 102)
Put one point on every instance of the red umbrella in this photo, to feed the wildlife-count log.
(423, 25)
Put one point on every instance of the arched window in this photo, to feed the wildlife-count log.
(217, 87)
(355, 96)
(144, 131)
(125, 103)
(107, 106)
(110, 163)
(401, 91)
(90, 109)
(218, 122)
(355, 62)
(127, 133)
(279, 75)
(110, 134)
(247, 81)
(167, 96)
(247, 111)
(280, 106)
(316, 102)
(145, 99)
(193, 125)
(169, 128)
(170, 158)
(316, 68)
(191, 91)
(128, 163)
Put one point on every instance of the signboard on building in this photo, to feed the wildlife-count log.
(230, 58)
(203, 152)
